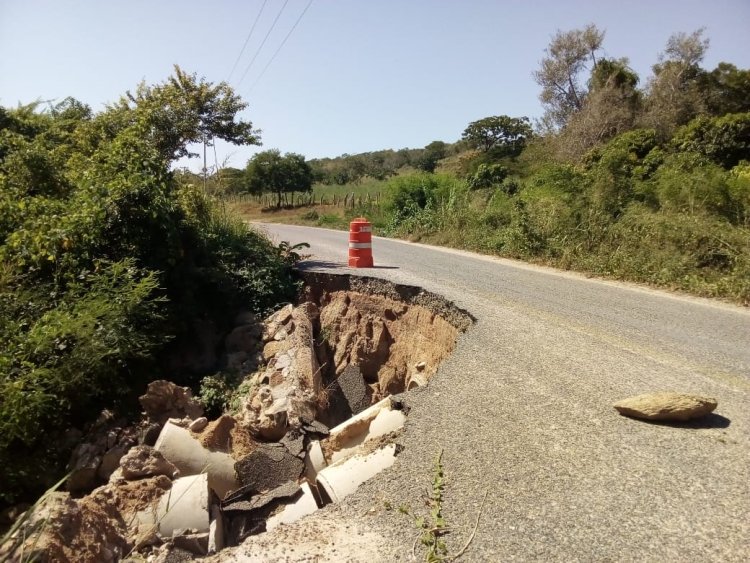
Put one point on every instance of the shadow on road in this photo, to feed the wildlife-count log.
(712, 420)
(316, 264)
(324, 264)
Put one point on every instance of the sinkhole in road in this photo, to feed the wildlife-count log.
(334, 363)
(390, 336)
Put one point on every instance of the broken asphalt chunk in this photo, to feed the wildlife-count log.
(353, 389)
(310, 426)
(269, 466)
(285, 491)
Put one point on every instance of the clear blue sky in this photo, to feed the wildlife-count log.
(355, 75)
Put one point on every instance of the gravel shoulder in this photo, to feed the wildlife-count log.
(523, 410)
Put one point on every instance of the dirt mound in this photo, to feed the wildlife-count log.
(132, 496)
(225, 434)
(217, 435)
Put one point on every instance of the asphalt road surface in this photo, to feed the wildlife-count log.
(523, 411)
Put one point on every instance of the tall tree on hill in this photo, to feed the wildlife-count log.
(611, 107)
(569, 55)
(675, 94)
(728, 89)
(430, 156)
(500, 135)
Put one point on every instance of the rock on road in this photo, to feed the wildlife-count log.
(523, 410)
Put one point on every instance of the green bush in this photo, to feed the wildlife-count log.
(738, 184)
(725, 140)
(487, 176)
(695, 252)
(688, 182)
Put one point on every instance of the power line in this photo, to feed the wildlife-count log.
(247, 39)
(265, 68)
(263, 43)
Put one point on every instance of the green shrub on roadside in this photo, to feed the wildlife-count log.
(725, 140)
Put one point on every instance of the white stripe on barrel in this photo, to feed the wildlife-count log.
(360, 245)
(365, 229)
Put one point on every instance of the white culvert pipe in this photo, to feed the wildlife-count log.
(375, 421)
(314, 460)
(184, 506)
(416, 380)
(344, 477)
(292, 512)
(178, 446)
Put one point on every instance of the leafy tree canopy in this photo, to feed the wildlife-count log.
(501, 134)
(185, 110)
(269, 171)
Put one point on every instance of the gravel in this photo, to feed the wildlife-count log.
(523, 409)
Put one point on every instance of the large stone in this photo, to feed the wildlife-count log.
(272, 348)
(145, 461)
(266, 415)
(85, 464)
(111, 461)
(164, 400)
(666, 406)
(304, 372)
(98, 454)
(198, 424)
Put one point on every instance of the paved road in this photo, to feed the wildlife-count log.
(523, 410)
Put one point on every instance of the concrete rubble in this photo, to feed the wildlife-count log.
(95, 459)
(178, 485)
(145, 461)
(164, 400)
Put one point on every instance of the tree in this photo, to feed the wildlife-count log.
(725, 140)
(106, 256)
(185, 110)
(269, 171)
(430, 156)
(728, 89)
(500, 134)
(675, 95)
(569, 54)
(611, 107)
(234, 180)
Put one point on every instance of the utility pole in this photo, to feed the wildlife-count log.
(205, 170)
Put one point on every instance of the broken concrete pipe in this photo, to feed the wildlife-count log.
(375, 421)
(347, 438)
(185, 508)
(315, 461)
(305, 504)
(344, 477)
(186, 453)
(416, 380)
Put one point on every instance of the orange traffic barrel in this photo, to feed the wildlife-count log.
(360, 243)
